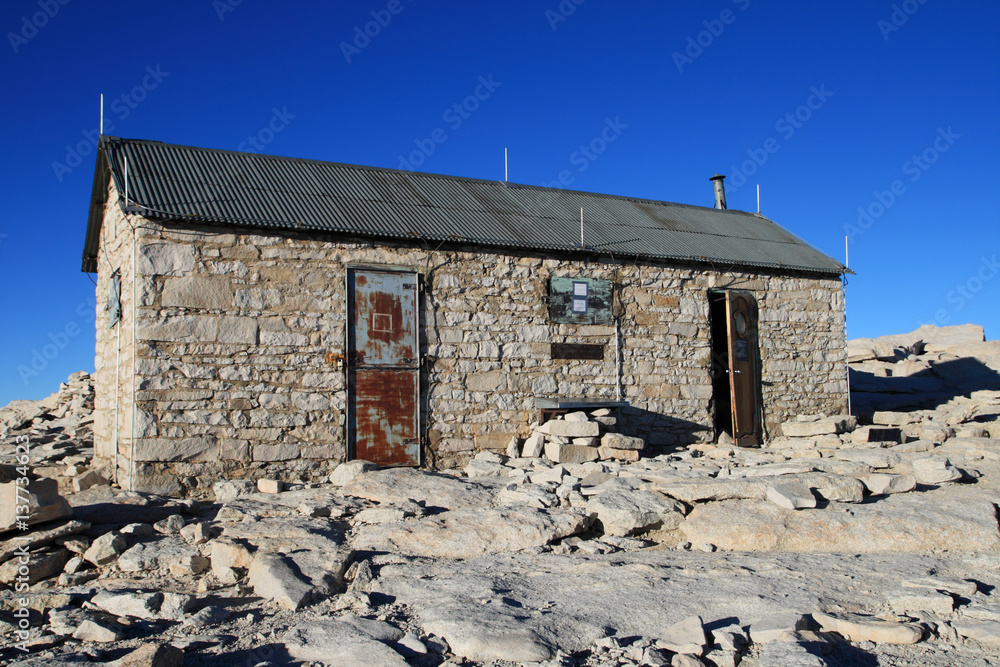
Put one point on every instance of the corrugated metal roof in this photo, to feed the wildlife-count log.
(171, 182)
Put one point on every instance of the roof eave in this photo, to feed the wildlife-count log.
(95, 216)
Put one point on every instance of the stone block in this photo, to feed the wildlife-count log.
(145, 605)
(883, 484)
(631, 455)
(42, 497)
(194, 292)
(346, 472)
(894, 418)
(774, 627)
(153, 655)
(619, 441)
(560, 453)
(169, 450)
(99, 631)
(859, 628)
(935, 470)
(986, 633)
(87, 480)
(232, 489)
(180, 328)
(313, 400)
(105, 549)
(234, 450)
(490, 381)
(228, 554)
(287, 338)
(37, 565)
(568, 429)
(270, 485)
(909, 601)
(791, 495)
(164, 259)
(237, 330)
(322, 452)
(797, 429)
(272, 578)
(494, 441)
(281, 452)
(687, 636)
(533, 446)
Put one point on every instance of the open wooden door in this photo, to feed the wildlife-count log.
(383, 368)
(741, 324)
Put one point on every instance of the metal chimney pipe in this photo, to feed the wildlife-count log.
(720, 191)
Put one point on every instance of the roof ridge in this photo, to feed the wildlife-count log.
(429, 174)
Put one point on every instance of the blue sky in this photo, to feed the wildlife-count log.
(874, 120)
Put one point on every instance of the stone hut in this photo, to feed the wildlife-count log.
(266, 312)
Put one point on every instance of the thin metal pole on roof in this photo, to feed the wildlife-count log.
(505, 164)
(758, 199)
(847, 254)
(102, 114)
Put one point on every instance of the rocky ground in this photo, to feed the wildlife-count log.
(838, 543)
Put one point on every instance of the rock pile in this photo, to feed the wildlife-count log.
(921, 369)
(577, 437)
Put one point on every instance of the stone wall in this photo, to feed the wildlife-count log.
(113, 354)
(234, 331)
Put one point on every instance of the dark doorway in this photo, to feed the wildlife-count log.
(735, 376)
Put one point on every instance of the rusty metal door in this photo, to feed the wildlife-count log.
(741, 322)
(383, 370)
